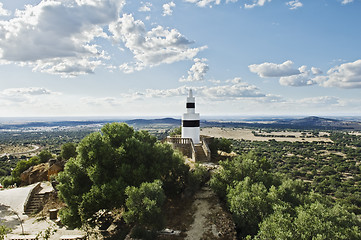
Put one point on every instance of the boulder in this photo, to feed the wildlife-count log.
(41, 172)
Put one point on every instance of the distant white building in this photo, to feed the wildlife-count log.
(190, 120)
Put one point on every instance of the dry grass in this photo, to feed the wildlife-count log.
(246, 134)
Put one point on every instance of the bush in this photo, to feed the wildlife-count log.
(197, 177)
(9, 181)
(44, 156)
(222, 144)
(23, 165)
(144, 206)
(68, 150)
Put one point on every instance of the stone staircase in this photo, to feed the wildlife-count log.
(200, 155)
(35, 203)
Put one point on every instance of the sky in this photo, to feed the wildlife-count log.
(140, 58)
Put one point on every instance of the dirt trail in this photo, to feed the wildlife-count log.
(210, 220)
(35, 148)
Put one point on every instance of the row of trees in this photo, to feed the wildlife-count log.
(267, 205)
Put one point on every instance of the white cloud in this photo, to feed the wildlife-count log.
(24, 95)
(294, 4)
(299, 80)
(151, 48)
(256, 3)
(50, 38)
(197, 71)
(232, 90)
(4, 12)
(267, 69)
(145, 7)
(235, 80)
(167, 8)
(316, 71)
(288, 75)
(25, 91)
(346, 1)
(346, 75)
(204, 3)
(106, 101)
(323, 100)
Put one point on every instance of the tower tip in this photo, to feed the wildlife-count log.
(190, 93)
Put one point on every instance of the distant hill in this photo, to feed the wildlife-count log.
(292, 123)
(167, 121)
(308, 123)
(318, 122)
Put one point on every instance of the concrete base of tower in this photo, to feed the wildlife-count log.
(191, 132)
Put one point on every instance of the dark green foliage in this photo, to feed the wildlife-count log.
(68, 150)
(331, 167)
(249, 204)
(311, 221)
(10, 180)
(107, 163)
(197, 177)
(23, 165)
(44, 156)
(144, 205)
(3, 231)
(222, 144)
(235, 170)
(267, 205)
(176, 131)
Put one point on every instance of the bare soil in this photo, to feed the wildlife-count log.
(200, 217)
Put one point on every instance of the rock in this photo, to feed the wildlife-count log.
(40, 172)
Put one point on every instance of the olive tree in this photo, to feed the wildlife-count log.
(109, 161)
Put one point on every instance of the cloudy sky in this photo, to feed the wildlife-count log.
(139, 58)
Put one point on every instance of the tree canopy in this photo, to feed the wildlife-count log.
(68, 150)
(109, 161)
(144, 205)
(266, 205)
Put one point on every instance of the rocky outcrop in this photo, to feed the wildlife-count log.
(41, 172)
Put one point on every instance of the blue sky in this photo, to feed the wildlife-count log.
(139, 58)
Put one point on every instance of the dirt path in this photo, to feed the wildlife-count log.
(210, 220)
(35, 148)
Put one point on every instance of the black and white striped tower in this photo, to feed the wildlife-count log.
(190, 120)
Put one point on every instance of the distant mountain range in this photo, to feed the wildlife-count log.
(318, 122)
(167, 121)
(299, 123)
(302, 123)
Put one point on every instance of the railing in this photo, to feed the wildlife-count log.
(206, 150)
(177, 141)
(194, 154)
(30, 195)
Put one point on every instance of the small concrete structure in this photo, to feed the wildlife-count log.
(53, 214)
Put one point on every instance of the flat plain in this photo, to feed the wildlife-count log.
(247, 134)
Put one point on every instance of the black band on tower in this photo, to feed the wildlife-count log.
(191, 123)
(191, 105)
